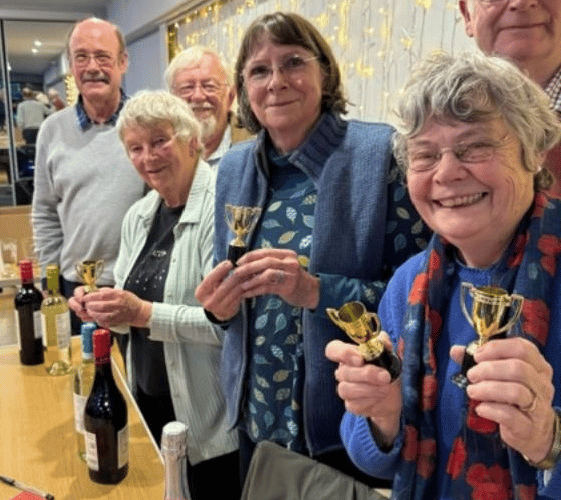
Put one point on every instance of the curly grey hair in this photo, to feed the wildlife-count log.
(150, 108)
(473, 87)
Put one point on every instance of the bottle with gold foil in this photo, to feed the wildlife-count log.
(55, 319)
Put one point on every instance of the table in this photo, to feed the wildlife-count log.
(38, 442)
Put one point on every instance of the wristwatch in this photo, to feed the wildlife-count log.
(554, 454)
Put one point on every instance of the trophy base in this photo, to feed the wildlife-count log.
(235, 253)
(389, 361)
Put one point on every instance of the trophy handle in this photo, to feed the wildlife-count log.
(375, 323)
(79, 269)
(516, 303)
(99, 266)
(466, 286)
(333, 315)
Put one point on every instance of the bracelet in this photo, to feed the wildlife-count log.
(554, 454)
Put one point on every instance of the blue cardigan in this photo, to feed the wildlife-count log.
(358, 188)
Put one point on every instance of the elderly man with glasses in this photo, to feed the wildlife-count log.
(528, 32)
(201, 77)
(84, 182)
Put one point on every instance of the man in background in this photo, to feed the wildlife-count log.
(84, 182)
(200, 77)
(529, 33)
(30, 113)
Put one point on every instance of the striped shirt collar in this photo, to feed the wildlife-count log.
(553, 90)
(84, 121)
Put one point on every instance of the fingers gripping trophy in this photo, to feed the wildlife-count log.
(364, 328)
(489, 319)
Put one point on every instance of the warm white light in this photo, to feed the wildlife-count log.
(35, 50)
(38, 43)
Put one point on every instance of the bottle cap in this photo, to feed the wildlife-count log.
(86, 332)
(174, 438)
(26, 271)
(101, 345)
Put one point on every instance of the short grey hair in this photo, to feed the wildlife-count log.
(151, 108)
(191, 57)
(473, 87)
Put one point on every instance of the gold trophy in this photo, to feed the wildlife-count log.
(487, 318)
(241, 221)
(89, 271)
(363, 327)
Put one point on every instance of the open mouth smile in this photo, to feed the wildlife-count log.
(461, 201)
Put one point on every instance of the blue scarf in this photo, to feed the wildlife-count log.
(479, 464)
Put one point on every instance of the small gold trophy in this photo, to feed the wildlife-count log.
(487, 318)
(241, 221)
(89, 271)
(363, 327)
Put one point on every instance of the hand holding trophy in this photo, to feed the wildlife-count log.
(89, 271)
(487, 318)
(241, 221)
(363, 327)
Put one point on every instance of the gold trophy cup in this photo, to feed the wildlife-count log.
(363, 327)
(89, 271)
(487, 318)
(241, 221)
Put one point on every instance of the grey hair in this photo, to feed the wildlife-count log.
(473, 88)
(151, 108)
(190, 57)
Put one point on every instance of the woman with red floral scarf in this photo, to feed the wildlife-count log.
(472, 137)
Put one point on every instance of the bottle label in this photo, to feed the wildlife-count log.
(91, 451)
(79, 407)
(37, 324)
(62, 322)
(123, 446)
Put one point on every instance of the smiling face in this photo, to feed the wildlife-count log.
(99, 77)
(527, 31)
(475, 206)
(163, 160)
(289, 103)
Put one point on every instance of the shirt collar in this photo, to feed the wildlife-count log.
(85, 122)
(225, 144)
(553, 90)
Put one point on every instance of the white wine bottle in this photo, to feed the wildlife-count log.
(83, 380)
(174, 453)
(55, 320)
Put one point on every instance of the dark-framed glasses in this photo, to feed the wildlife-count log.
(82, 59)
(425, 158)
(208, 87)
(260, 74)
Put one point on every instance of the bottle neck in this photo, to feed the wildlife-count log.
(175, 470)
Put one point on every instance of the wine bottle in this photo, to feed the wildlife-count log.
(174, 452)
(105, 419)
(27, 304)
(55, 321)
(83, 381)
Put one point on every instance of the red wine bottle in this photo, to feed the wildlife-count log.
(27, 303)
(105, 419)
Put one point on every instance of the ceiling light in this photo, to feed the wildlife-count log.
(38, 43)
(35, 50)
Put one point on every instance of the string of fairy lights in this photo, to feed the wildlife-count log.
(374, 41)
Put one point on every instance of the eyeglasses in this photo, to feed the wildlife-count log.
(157, 147)
(424, 159)
(82, 59)
(208, 87)
(260, 74)
(492, 2)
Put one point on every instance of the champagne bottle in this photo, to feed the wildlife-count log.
(83, 381)
(55, 320)
(27, 303)
(174, 452)
(105, 419)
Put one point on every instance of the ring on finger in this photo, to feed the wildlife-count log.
(280, 276)
(530, 407)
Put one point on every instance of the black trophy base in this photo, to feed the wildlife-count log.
(235, 253)
(460, 378)
(389, 361)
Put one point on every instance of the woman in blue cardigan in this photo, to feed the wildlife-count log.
(335, 221)
(473, 135)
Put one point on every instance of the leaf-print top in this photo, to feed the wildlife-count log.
(276, 367)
